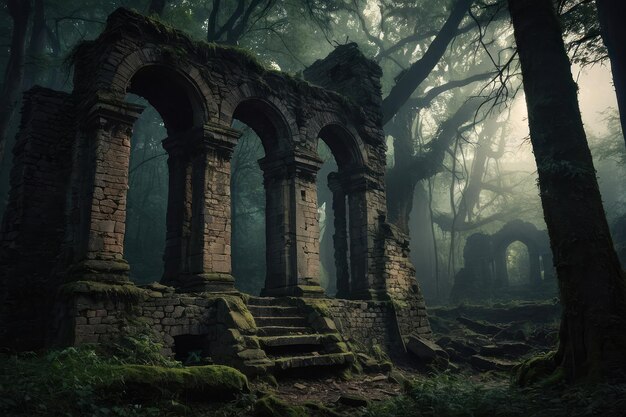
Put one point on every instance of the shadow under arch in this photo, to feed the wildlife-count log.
(171, 93)
(343, 145)
(267, 121)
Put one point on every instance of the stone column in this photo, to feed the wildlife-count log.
(366, 206)
(178, 218)
(280, 271)
(209, 250)
(292, 226)
(306, 233)
(97, 212)
(340, 238)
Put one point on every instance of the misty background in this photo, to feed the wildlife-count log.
(454, 168)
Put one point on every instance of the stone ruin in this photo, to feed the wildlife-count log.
(485, 275)
(64, 278)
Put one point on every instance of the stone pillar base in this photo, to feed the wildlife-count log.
(208, 282)
(109, 271)
(309, 291)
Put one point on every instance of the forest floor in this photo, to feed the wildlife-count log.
(483, 344)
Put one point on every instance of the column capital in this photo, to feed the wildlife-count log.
(219, 138)
(103, 110)
(208, 137)
(283, 165)
(306, 164)
(357, 180)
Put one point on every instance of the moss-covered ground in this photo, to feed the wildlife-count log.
(79, 382)
(131, 378)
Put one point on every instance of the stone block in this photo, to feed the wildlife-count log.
(424, 349)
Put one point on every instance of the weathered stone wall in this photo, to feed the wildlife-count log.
(402, 287)
(33, 224)
(365, 323)
(93, 313)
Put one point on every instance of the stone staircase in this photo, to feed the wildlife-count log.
(291, 342)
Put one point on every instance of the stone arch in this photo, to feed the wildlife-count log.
(257, 106)
(267, 120)
(527, 234)
(345, 145)
(116, 78)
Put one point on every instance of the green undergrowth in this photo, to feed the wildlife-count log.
(447, 395)
(81, 382)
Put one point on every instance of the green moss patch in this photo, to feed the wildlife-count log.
(80, 382)
(199, 383)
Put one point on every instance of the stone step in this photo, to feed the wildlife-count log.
(264, 311)
(290, 340)
(268, 301)
(292, 345)
(294, 321)
(313, 360)
(283, 330)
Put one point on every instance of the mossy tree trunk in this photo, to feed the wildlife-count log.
(611, 14)
(592, 338)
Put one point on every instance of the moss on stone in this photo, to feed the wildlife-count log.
(104, 291)
(240, 314)
(541, 369)
(320, 305)
(147, 383)
(270, 406)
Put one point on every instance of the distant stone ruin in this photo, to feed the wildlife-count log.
(485, 275)
(64, 278)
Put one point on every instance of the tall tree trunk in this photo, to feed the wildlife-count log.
(592, 339)
(611, 14)
(400, 179)
(19, 10)
(410, 168)
(36, 47)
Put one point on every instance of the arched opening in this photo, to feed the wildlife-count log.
(158, 229)
(343, 248)
(171, 94)
(248, 212)
(262, 254)
(518, 264)
(147, 197)
(328, 270)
